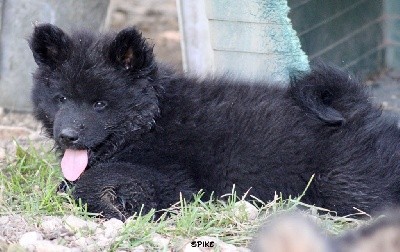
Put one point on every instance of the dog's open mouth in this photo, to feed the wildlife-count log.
(74, 163)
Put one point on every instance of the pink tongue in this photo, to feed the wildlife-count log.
(74, 163)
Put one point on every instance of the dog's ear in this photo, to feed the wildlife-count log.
(50, 45)
(129, 50)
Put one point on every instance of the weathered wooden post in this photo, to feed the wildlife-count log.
(250, 39)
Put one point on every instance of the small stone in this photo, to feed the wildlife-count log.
(99, 231)
(81, 242)
(51, 225)
(30, 238)
(92, 248)
(92, 225)
(4, 220)
(160, 241)
(111, 233)
(103, 241)
(113, 223)
(47, 246)
(246, 208)
(140, 248)
(73, 223)
(112, 228)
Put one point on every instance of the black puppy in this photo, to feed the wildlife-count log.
(132, 134)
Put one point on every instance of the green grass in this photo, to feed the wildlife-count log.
(28, 186)
(218, 218)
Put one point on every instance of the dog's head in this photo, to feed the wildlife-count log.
(91, 91)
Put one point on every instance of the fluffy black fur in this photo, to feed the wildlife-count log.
(151, 134)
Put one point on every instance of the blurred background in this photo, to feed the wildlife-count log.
(157, 19)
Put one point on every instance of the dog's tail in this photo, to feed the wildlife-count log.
(330, 94)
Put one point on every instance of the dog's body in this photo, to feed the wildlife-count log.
(147, 135)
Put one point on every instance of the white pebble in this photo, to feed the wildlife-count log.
(160, 241)
(102, 241)
(112, 228)
(113, 223)
(47, 246)
(73, 223)
(81, 242)
(51, 225)
(30, 238)
(4, 219)
(245, 207)
(140, 248)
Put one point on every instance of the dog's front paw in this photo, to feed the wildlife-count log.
(126, 199)
(115, 195)
(65, 186)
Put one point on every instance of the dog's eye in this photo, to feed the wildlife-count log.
(60, 98)
(100, 105)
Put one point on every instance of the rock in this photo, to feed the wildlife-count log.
(113, 223)
(92, 248)
(112, 228)
(81, 242)
(73, 224)
(4, 219)
(102, 241)
(111, 233)
(140, 248)
(99, 231)
(160, 241)
(51, 225)
(29, 239)
(247, 209)
(48, 246)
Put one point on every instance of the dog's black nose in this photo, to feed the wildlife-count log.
(68, 136)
